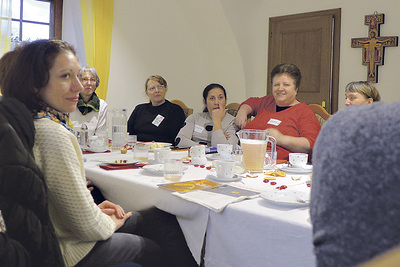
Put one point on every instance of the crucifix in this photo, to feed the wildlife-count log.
(374, 45)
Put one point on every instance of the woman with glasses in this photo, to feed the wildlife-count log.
(159, 120)
(91, 110)
(361, 93)
(211, 127)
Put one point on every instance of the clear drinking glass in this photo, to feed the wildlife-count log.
(173, 170)
(141, 152)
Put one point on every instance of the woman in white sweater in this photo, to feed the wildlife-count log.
(211, 127)
(44, 76)
(91, 110)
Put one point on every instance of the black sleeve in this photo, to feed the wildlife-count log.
(12, 253)
(132, 121)
(178, 119)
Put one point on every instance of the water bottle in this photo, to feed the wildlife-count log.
(119, 128)
(83, 136)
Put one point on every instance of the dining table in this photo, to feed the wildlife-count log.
(266, 227)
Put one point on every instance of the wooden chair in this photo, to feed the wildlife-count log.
(320, 112)
(186, 110)
(233, 108)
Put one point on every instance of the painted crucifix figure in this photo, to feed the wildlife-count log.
(373, 46)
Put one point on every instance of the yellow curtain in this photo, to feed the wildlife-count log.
(97, 22)
(5, 26)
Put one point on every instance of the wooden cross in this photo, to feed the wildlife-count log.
(373, 46)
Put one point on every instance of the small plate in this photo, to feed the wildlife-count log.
(235, 178)
(286, 168)
(214, 156)
(152, 149)
(287, 197)
(99, 150)
(157, 169)
(129, 163)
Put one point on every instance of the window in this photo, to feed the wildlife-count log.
(35, 19)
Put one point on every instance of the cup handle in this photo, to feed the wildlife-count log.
(272, 140)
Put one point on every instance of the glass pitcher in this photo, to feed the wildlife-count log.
(254, 146)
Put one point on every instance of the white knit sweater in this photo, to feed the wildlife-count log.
(77, 220)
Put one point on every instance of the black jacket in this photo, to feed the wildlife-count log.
(23, 192)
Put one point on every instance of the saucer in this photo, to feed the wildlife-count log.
(235, 178)
(290, 169)
(287, 197)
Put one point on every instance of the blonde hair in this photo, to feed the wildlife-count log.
(365, 88)
(156, 78)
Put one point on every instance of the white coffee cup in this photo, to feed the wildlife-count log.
(298, 160)
(225, 150)
(98, 143)
(198, 154)
(162, 154)
(224, 168)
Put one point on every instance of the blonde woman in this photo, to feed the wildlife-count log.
(361, 93)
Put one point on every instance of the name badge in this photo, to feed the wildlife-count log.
(198, 128)
(274, 122)
(157, 121)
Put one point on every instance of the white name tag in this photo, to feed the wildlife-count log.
(157, 121)
(274, 122)
(198, 128)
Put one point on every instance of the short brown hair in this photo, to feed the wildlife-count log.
(289, 69)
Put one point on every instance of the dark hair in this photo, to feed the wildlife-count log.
(208, 89)
(290, 69)
(29, 71)
(5, 62)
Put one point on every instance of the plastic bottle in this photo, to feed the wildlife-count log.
(119, 128)
(83, 136)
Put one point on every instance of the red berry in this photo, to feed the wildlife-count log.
(208, 167)
(202, 166)
(266, 181)
(283, 187)
(273, 183)
(309, 185)
(196, 165)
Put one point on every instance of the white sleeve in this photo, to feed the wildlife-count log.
(186, 133)
(71, 205)
(102, 123)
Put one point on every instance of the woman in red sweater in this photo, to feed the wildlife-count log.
(292, 123)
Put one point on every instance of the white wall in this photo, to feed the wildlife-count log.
(192, 43)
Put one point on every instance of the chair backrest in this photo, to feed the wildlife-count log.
(321, 114)
(233, 108)
(186, 110)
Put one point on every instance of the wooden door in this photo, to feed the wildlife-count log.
(311, 42)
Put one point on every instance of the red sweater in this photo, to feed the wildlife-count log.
(298, 120)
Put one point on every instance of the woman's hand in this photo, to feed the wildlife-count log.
(241, 116)
(88, 185)
(110, 208)
(217, 116)
(120, 221)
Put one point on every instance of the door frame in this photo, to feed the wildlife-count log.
(336, 15)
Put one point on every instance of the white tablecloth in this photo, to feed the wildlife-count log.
(249, 233)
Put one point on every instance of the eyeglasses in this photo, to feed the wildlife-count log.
(158, 87)
(85, 80)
